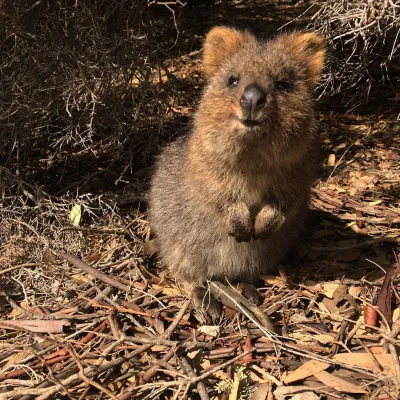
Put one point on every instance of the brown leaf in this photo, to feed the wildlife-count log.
(307, 369)
(370, 315)
(295, 393)
(113, 246)
(325, 288)
(211, 330)
(364, 360)
(338, 295)
(305, 396)
(48, 256)
(337, 383)
(16, 357)
(158, 325)
(384, 301)
(41, 326)
(263, 392)
(364, 182)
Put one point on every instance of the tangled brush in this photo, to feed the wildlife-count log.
(364, 42)
(80, 85)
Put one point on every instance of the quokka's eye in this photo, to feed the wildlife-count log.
(233, 81)
(284, 86)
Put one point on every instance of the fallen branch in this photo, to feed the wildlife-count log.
(93, 271)
(237, 302)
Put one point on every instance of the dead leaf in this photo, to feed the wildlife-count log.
(205, 363)
(41, 326)
(370, 316)
(364, 360)
(263, 392)
(340, 146)
(16, 357)
(376, 350)
(323, 308)
(331, 160)
(79, 278)
(355, 291)
(167, 290)
(295, 392)
(193, 354)
(301, 337)
(374, 203)
(221, 375)
(157, 348)
(339, 384)
(329, 288)
(15, 313)
(212, 330)
(305, 396)
(271, 279)
(75, 215)
(384, 301)
(326, 288)
(171, 291)
(364, 182)
(338, 296)
(113, 246)
(158, 325)
(352, 192)
(324, 339)
(48, 256)
(307, 369)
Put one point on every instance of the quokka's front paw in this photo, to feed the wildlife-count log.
(267, 222)
(240, 224)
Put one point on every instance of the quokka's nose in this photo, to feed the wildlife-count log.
(253, 98)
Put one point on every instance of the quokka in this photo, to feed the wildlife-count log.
(229, 199)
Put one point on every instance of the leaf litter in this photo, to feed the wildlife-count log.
(117, 324)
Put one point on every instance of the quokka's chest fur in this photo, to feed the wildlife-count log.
(252, 178)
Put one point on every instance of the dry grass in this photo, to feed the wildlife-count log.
(81, 83)
(364, 43)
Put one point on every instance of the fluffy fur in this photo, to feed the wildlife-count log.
(230, 198)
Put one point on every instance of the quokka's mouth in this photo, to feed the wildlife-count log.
(251, 123)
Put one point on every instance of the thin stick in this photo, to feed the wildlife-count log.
(201, 388)
(93, 271)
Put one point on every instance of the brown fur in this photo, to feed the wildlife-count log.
(230, 199)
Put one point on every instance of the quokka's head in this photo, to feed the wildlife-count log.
(256, 86)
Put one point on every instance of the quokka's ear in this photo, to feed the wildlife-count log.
(308, 47)
(221, 44)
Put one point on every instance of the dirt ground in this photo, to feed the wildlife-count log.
(86, 312)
